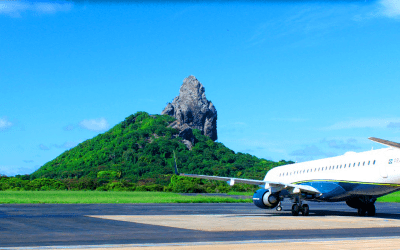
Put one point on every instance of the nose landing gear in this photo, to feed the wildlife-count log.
(279, 207)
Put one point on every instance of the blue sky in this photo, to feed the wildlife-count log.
(297, 80)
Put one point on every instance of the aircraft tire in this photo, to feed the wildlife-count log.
(361, 211)
(371, 211)
(295, 210)
(306, 210)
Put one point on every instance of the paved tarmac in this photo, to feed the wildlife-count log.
(82, 224)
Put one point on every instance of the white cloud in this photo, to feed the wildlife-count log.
(66, 145)
(15, 8)
(350, 144)
(99, 124)
(394, 125)
(390, 8)
(5, 124)
(363, 123)
(14, 170)
(43, 147)
(309, 151)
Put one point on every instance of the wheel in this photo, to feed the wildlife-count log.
(295, 210)
(305, 210)
(371, 210)
(361, 211)
(278, 208)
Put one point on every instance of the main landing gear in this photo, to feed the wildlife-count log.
(299, 207)
(365, 205)
(368, 209)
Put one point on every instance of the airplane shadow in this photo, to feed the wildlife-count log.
(352, 214)
(321, 213)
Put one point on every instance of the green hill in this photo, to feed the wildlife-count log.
(139, 151)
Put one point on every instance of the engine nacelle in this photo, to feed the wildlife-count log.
(263, 198)
(360, 201)
(354, 203)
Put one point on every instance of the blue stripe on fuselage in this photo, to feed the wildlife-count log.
(341, 190)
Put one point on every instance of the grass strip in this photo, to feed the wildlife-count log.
(393, 197)
(85, 197)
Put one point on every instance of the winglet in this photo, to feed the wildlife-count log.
(176, 168)
(385, 142)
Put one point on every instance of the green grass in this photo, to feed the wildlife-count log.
(240, 193)
(66, 197)
(393, 197)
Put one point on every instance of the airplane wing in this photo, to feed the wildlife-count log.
(292, 188)
(385, 142)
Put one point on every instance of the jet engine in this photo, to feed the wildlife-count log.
(354, 203)
(360, 201)
(263, 198)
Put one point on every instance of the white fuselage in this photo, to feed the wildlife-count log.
(380, 166)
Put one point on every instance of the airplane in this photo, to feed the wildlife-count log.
(356, 178)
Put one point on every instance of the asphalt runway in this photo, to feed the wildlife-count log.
(38, 225)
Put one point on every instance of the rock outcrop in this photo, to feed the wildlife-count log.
(192, 111)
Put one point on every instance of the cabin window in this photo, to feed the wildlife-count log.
(315, 169)
(369, 162)
(364, 163)
(319, 169)
(374, 162)
(307, 170)
(337, 167)
(354, 164)
(344, 165)
(359, 164)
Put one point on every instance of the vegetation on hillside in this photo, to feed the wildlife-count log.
(137, 154)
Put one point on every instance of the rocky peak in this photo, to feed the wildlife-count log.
(193, 111)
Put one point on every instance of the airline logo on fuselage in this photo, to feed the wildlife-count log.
(396, 160)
